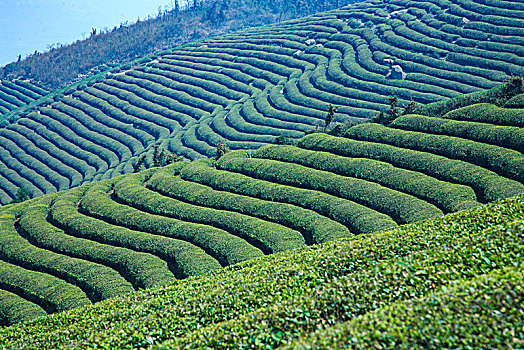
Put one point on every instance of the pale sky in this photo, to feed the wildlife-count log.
(29, 25)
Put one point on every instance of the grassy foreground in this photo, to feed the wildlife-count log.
(435, 283)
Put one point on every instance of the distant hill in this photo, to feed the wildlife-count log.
(248, 88)
(195, 20)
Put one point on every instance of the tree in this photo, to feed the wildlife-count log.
(330, 116)
(22, 194)
(391, 114)
(156, 157)
(221, 149)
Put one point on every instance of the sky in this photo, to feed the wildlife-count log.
(29, 25)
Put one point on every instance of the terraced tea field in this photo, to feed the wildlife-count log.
(108, 238)
(249, 87)
(18, 93)
(416, 284)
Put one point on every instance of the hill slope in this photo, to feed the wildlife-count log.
(371, 291)
(186, 21)
(14, 94)
(251, 86)
(112, 237)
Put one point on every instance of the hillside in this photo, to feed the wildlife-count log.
(399, 223)
(249, 87)
(14, 94)
(414, 286)
(186, 21)
(109, 238)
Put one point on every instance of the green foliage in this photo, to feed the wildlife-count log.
(391, 114)
(314, 227)
(330, 116)
(156, 156)
(21, 195)
(227, 248)
(221, 149)
(515, 102)
(448, 197)
(308, 289)
(170, 28)
(284, 140)
(358, 218)
(506, 162)
(487, 185)
(511, 137)
(96, 281)
(488, 113)
(247, 88)
(130, 264)
(442, 319)
(186, 221)
(498, 96)
(401, 207)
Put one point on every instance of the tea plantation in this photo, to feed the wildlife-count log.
(14, 94)
(446, 282)
(274, 227)
(249, 87)
(189, 219)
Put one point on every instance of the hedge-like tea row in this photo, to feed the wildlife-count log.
(267, 236)
(43, 234)
(206, 77)
(25, 91)
(33, 87)
(315, 228)
(487, 185)
(74, 167)
(358, 218)
(247, 87)
(488, 113)
(140, 118)
(50, 293)
(183, 258)
(231, 128)
(53, 132)
(12, 96)
(221, 245)
(61, 175)
(449, 197)
(506, 162)
(122, 98)
(145, 130)
(167, 93)
(106, 137)
(64, 214)
(416, 273)
(135, 139)
(504, 136)
(95, 153)
(254, 123)
(515, 102)
(19, 167)
(203, 89)
(14, 309)
(309, 288)
(98, 282)
(402, 207)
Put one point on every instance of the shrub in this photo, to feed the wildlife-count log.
(401, 207)
(359, 219)
(487, 185)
